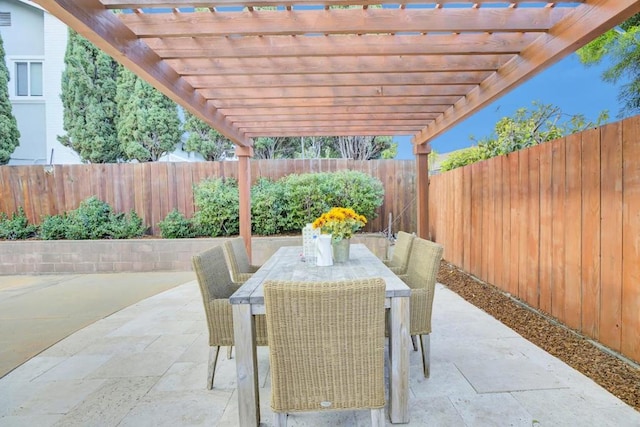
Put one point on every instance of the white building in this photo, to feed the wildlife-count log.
(34, 44)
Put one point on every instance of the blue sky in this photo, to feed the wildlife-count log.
(576, 89)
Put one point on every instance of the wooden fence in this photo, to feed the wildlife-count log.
(154, 189)
(556, 225)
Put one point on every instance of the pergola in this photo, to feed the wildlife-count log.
(253, 68)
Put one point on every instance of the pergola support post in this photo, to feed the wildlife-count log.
(244, 190)
(421, 152)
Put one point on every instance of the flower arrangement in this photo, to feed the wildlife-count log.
(341, 223)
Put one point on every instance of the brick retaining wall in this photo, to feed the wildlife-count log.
(134, 255)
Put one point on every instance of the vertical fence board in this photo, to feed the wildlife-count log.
(505, 264)
(533, 228)
(497, 261)
(458, 217)
(466, 221)
(611, 236)
(546, 221)
(630, 341)
(485, 215)
(558, 165)
(523, 214)
(590, 232)
(476, 220)
(7, 198)
(572, 227)
(514, 190)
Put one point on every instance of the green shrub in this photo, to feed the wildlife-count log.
(176, 226)
(93, 219)
(268, 207)
(358, 191)
(54, 227)
(90, 220)
(286, 205)
(17, 227)
(122, 227)
(307, 197)
(218, 207)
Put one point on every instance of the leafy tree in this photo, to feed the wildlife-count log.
(531, 127)
(9, 134)
(314, 145)
(148, 124)
(205, 140)
(88, 99)
(281, 147)
(362, 147)
(622, 46)
(545, 122)
(463, 157)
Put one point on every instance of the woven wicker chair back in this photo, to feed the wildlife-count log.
(216, 287)
(422, 272)
(326, 344)
(238, 260)
(401, 251)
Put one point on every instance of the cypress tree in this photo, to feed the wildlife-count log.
(88, 99)
(148, 125)
(9, 134)
(204, 139)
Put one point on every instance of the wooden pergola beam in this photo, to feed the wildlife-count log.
(336, 110)
(343, 21)
(170, 4)
(336, 79)
(331, 92)
(335, 118)
(328, 102)
(370, 44)
(342, 65)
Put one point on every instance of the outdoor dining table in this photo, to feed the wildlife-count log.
(288, 264)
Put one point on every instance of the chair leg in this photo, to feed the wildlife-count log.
(414, 341)
(425, 343)
(213, 360)
(229, 352)
(279, 419)
(377, 417)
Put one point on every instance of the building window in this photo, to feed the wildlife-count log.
(28, 78)
(5, 19)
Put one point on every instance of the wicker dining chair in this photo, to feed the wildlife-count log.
(326, 346)
(401, 251)
(235, 253)
(216, 287)
(422, 271)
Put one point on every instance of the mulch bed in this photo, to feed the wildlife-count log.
(617, 376)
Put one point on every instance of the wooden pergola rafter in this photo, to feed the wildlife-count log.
(255, 68)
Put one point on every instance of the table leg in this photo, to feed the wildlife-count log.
(399, 359)
(246, 366)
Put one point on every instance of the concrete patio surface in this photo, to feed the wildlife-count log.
(146, 365)
(38, 311)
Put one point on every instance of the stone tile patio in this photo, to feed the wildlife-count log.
(146, 366)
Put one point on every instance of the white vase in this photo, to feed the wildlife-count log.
(323, 250)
